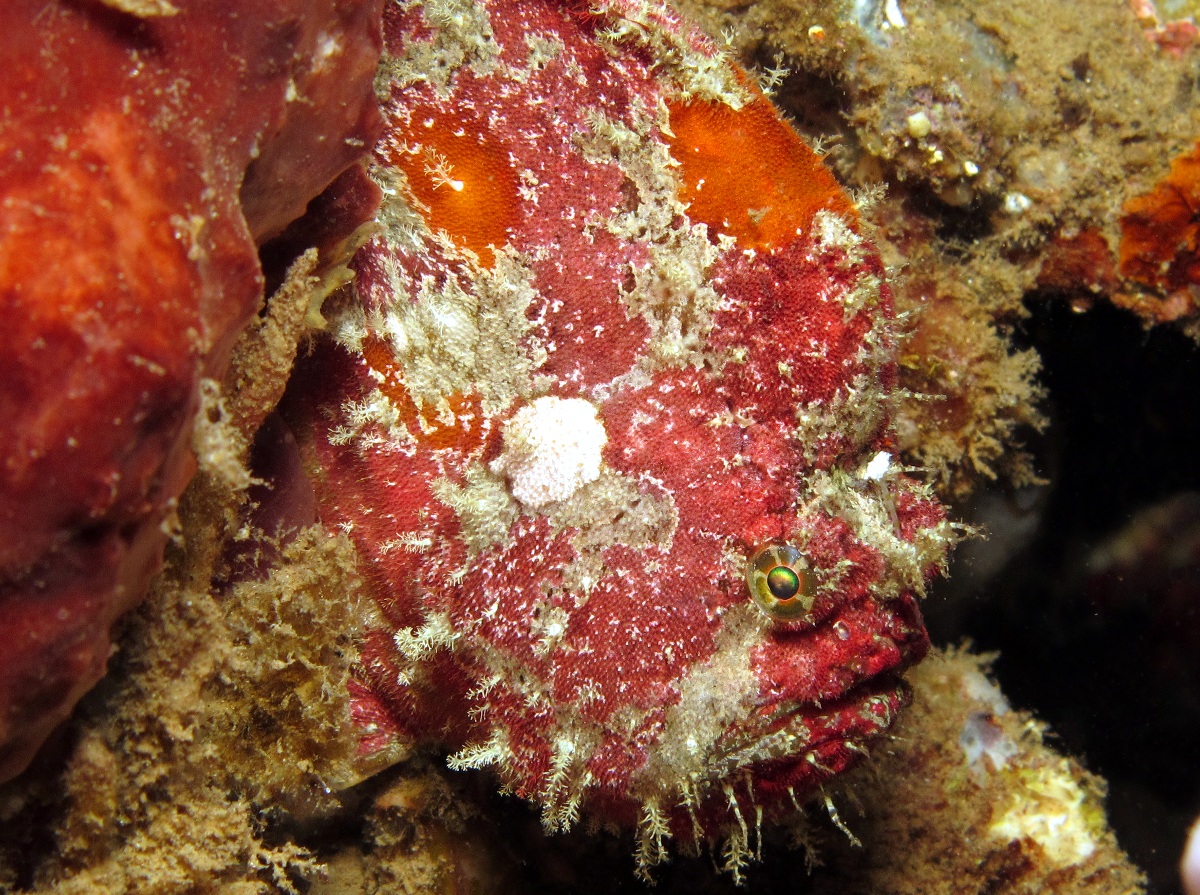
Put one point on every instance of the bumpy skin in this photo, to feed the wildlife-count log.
(596, 206)
(140, 163)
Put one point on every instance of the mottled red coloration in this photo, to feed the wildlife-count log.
(140, 162)
(1083, 263)
(1173, 36)
(602, 650)
(1160, 240)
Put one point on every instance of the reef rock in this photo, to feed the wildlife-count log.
(145, 150)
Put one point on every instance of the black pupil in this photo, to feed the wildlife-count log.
(783, 583)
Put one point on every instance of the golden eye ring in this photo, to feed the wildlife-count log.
(780, 582)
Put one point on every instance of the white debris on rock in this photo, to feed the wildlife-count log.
(895, 18)
(877, 467)
(1051, 808)
(1044, 802)
(982, 738)
(551, 449)
(977, 687)
(1017, 203)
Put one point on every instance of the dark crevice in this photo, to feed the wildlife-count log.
(1097, 653)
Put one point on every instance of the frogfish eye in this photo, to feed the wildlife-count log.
(780, 582)
(783, 583)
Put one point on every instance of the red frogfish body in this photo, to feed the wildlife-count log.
(608, 422)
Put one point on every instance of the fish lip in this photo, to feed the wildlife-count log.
(784, 732)
(772, 741)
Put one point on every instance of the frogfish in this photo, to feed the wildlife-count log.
(607, 417)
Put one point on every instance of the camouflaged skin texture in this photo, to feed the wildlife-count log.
(596, 207)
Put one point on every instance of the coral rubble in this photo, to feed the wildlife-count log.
(969, 798)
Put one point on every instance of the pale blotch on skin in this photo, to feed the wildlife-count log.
(552, 448)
